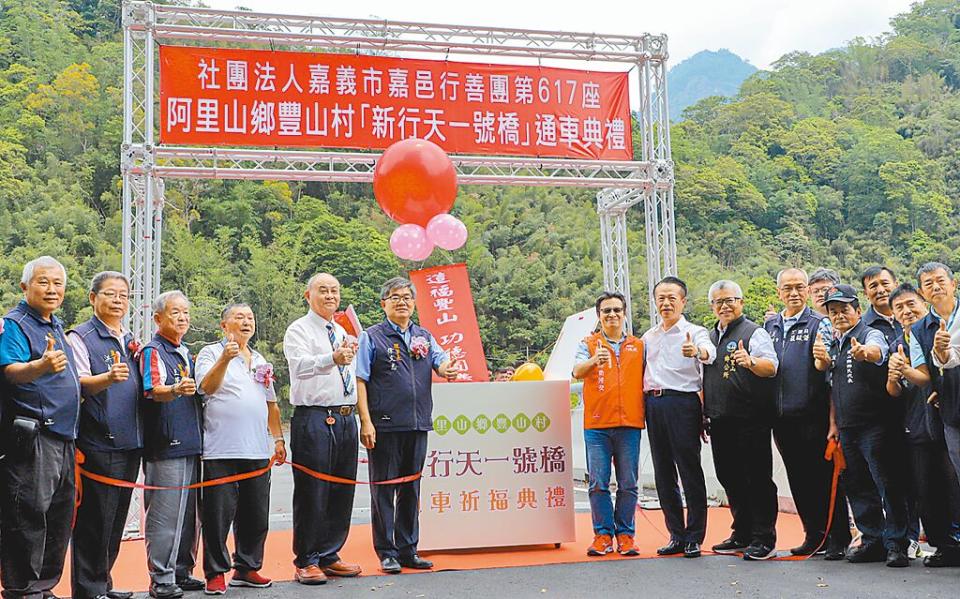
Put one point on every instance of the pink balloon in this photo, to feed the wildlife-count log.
(447, 231)
(410, 242)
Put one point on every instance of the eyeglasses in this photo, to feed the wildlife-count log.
(726, 301)
(611, 310)
(396, 299)
(114, 295)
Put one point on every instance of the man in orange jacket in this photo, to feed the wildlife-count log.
(610, 363)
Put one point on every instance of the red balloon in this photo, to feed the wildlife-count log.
(414, 180)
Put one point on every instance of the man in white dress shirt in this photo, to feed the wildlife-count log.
(675, 351)
(323, 432)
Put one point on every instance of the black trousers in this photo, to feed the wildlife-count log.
(322, 510)
(243, 505)
(395, 508)
(38, 494)
(802, 442)
(934, 482)
(674, 421)
(101, 518)
(743, 458)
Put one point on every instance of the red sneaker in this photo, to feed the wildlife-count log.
(251, 578)
(626, 546)
(215, 586)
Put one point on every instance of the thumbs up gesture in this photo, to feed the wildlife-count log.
(119, 371)
(941, 341)
(53, 359)
(689, 349)
(231, 349)
(820, 349)
(603, 354)
(858, 351)
(898, 361)
(741, 357)
(448, 370)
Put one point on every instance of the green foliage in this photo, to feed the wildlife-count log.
(841, 159)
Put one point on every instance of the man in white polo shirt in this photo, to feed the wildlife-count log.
(323, 432)
(241, 432)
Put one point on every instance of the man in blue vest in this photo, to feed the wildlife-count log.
(111, 434)
(172, 448)
(878, 283)
(395, 364)
(802, 417)
(41, 410)
(934, 351)
(866, 420)
(934, 482)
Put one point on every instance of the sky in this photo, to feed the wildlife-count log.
(759, 31)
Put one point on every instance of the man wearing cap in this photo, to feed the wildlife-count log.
(866, 420)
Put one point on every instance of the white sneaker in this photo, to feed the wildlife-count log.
(914, 551)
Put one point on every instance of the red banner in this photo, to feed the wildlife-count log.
(445, 304)
(235, 97)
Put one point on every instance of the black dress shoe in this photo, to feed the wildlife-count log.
(114, 594)
(165, 591)
(691, 550)
(390, 565)
(897, 558)
(943, 558)
(416, 562)
(835, 554)
(672, 548)
(866, 554)
(810, 545)
(191, 584)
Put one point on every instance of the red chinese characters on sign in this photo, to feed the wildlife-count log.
(446, 309)
(238, 97)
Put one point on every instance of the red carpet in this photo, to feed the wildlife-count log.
(130, 572)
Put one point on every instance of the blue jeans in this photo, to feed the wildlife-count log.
(874, 484)
(621, 446)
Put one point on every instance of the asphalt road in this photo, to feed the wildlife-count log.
(708, 577)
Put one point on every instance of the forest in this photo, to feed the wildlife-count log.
(842, 159)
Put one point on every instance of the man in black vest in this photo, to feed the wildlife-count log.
(111, 434)
(41, 410)
(395, 364)
(934, 482)
(866, 420)
(802, 417)
(736, 399)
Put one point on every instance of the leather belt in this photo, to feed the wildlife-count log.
(342, 410)
(662, 392)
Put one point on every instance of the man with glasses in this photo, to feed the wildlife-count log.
(323, 432)
(111, 433)
(821, 281)
(675, 351)
(395, 365)
(610, 364)
(736, 399)
(802, 417)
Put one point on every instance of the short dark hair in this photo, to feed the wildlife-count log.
(874, 271)
(611, 295)
(102, 277)
(930, 267)
(903, 289)
(671, 280)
